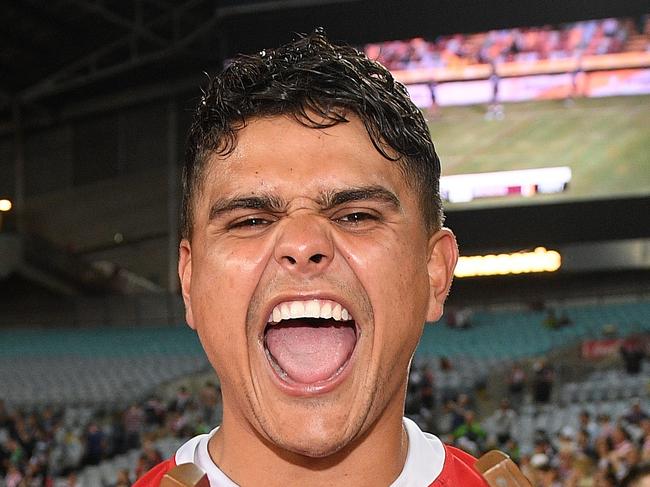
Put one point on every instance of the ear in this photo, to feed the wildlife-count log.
(185, 275)
(443, 255)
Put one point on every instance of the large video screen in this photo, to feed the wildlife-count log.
(534, 114)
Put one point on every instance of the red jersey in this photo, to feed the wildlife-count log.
(458, 471)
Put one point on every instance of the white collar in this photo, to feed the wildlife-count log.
(424, 460)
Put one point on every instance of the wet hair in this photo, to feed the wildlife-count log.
(318, 84)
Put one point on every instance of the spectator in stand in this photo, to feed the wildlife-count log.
(123, 478)
(17, 454)
(633, 352)
(517, 384)
(636, 413)
(582, 474)
(95, 447)
(154, 411)
(549, 477)
(446, 418)
(182, 399)
(588, 425)
(14, 476)
(5, 420)
(504, 422)
(606, 478)
(461, 407)
(445, 364)
(142, 466)
(624, 454)
(542, 444)
(584, 445)
(639, 476)
(566, 441)
(133, 425)
(543, 381)
(151, 453)
(72, 480)
(534, 470)
(470, 436)
(210, 403)
(427, 397)
(605, 426)
(645, 440)
(603, 449)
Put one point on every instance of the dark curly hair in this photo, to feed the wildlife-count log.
(317, 83)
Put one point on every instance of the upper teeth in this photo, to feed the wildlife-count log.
(314, 308)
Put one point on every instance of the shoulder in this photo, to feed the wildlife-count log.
(459, 470)
(153, 477)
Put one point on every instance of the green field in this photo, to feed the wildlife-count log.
(605, 142)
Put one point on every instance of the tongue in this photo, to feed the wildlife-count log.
(310, 353)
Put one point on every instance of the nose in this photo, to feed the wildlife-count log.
(304, 245)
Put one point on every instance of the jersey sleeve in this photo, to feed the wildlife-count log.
(153, 477)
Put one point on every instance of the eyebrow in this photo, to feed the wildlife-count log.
(333, 199)
(327, 200)
(261, 202)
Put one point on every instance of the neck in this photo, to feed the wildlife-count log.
(375, 458)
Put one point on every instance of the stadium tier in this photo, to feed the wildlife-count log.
(116, 365)
(593, 37)
(98, 342)
(93, 367)
(520, 333)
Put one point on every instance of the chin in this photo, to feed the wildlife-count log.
(312, 447)
(313, 440)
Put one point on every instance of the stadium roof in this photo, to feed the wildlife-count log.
(55, 51)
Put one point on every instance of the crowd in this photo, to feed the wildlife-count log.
(38, 447)
(519, 44)
(601, 452)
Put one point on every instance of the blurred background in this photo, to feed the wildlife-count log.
(540, 114)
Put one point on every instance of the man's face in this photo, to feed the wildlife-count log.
(308, 279)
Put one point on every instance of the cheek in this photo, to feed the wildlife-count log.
(391, 270)
(223, 282)
(233, 267)
(236, 265)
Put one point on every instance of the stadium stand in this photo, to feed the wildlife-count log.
(93, 367)
(592, 37)
(87, 383)
(511, 334)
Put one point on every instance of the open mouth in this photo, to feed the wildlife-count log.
(309, 342)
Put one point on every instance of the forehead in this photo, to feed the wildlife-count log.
(280, 154)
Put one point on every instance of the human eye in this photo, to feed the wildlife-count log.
(356, 218)
(250, 223)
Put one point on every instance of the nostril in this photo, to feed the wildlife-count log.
(290, 259)
(316, 258)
